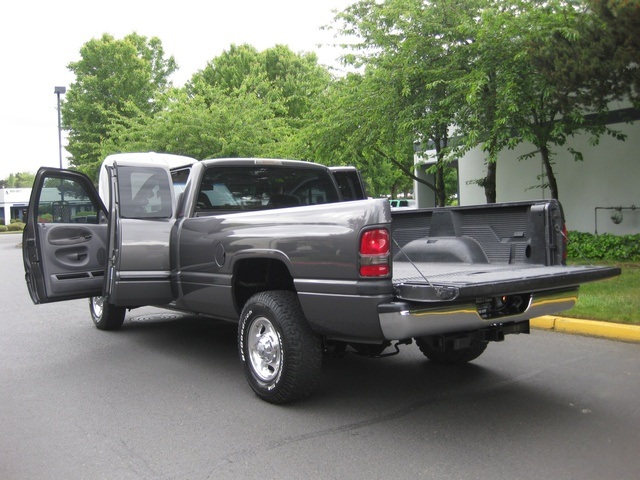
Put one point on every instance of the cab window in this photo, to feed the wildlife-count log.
(144, 192)
(261, 188)
(65, 201)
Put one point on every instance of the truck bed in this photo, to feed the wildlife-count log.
(471, 253)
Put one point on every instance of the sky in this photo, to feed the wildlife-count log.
(38, 39)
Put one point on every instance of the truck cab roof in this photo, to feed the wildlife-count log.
(262, 161)
(171, 161)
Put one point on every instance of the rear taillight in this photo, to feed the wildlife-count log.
(374, 253)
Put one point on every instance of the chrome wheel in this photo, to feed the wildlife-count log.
(97, 305)
(280, 354)
(265, 349)
(105, 315)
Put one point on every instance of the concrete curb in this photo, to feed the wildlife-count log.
(592, 328)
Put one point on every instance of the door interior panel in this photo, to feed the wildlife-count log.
(65, 239)
(76, 257)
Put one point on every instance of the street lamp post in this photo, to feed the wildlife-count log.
(58, 91)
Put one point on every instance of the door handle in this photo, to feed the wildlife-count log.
(76, 257)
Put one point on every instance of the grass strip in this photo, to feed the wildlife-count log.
(613, 300)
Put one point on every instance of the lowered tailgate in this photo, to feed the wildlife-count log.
(437, 282)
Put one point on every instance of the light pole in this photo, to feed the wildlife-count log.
(58, 91)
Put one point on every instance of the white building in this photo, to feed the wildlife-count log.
(605, 184)
(13, 203)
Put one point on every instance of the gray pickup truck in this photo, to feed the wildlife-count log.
(292, 252)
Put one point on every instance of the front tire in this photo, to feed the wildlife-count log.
(105, 315)
(281, 356)
(448, 356)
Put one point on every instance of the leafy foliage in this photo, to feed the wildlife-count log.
(621, 248)
(346, 127)
(18, 180)
(115, 80)
(415, 53)
(285, 81)
(244, 103)
(432, 79)
(495, 73)
(228, 127)
(620, 41)
(542, 75)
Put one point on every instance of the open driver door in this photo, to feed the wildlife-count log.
(73, 247)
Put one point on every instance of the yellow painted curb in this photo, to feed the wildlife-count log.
(615, 331)
(547, 322)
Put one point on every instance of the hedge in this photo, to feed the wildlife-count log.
(617, 248)
(15, 227)
(3, 228)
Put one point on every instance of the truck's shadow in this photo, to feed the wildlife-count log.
(211, 345)
(461, 407)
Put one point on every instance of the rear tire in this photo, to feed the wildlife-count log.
(281, 356)
(448, 356)
(105, 315)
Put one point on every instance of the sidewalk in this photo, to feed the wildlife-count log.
(593, 328)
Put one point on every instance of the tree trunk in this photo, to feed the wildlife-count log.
(404, 170)
(441, 143)
(551, 178)
(441, 197)
(490, 182)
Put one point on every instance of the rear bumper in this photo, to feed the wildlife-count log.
(403, 320)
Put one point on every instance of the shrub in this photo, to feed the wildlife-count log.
(3, 228)
(15, 227)
(619, 248)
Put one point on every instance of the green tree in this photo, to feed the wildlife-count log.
(211, 124)
(243, 103)
(286, 81)
(539, 77)
(115, 80)
(342, 131)
(417, 51)
(484, 117)
(492, 72)
(18, 180)
(621, 40)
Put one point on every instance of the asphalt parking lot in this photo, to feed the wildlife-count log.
(165, 398)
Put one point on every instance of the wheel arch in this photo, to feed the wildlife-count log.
(258, 273)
